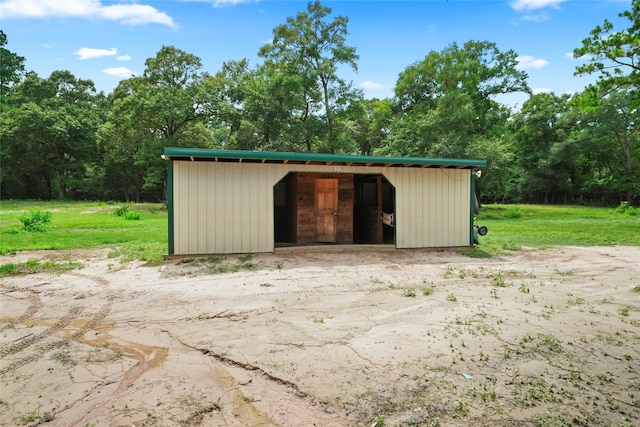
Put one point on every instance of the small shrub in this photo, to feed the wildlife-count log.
(514, 213)
(625, 209)
(121, 210)
(132, 216)
(451, 297)
(410, 292)
(35, 220)
(427, 291)
(636, 288)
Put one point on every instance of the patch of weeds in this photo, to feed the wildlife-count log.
(636, 289)
(474, 252)
(427, 291)
(541, 343)
(279, 265)
(485, 392)
(461, 408)
(409, 292)
(452, 297)
(538, 391)
(29, 417)
(220, 265)
(546, 313)
(246, 262)
(564, 272)
(318, 320)
(625, 209)
(132, 216)
(35, 220)
(33, 266)
(64, 358)
(548, 343)
(198, 414)
(524, 288)
(498, 281)
(610, 340)
(378, 421)
(506, 351)
(494, 293)
(120, 211)
(623, 311)
(448, 272)
(576, 301)
(605, 377)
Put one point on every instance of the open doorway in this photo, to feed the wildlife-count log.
(374, 210)
(333, 208)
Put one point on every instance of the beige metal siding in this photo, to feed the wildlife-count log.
(224, 207)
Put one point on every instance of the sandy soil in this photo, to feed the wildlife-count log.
(309, 338)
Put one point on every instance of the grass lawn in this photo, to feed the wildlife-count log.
(75, 225)
(514, 226)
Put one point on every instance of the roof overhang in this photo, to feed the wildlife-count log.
(240, 156)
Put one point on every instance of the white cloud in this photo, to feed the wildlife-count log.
(371, 85)
(119, 72)
(540, 17)
(527, 62)
(585, 57)
(46, 46)
(124, 58)
(88, 53)
(541, 90)
(222, 3)
(527, 5)
(125, 13)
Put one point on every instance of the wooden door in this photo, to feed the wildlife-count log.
(326, 209)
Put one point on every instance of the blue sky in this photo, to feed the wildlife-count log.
(106, 41)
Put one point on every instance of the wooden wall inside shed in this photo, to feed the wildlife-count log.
(306, 229)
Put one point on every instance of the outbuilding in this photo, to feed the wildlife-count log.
(225, 201)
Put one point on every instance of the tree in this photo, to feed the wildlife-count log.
(11, 69)
(450, 95)
(367, 123)
(478, 69)
(49, 136)
(614, 132)
(545, 164)
(613, 53)
(169, 105)
(305, 54)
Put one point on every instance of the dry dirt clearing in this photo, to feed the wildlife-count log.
(310, 338)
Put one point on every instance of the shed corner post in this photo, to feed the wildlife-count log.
(170, 215)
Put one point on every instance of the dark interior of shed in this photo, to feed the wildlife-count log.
(355, 215)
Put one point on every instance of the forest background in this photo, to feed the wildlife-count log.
(62, 139)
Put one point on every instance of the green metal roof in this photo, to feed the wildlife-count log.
(197, 154)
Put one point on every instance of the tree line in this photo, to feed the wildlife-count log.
(61, 138)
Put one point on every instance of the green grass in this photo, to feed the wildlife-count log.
(513, 226)
(75, 225)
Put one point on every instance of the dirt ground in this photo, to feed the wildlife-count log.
(351, 337)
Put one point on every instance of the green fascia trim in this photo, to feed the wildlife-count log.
(170, 207)
(171, 153)
(472, 210)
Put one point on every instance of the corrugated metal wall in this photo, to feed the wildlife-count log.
(224, 207)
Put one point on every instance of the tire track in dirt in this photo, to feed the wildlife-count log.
(34, 306)
(33, 339)
(67, 319)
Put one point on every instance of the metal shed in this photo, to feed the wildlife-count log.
(224, 201)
